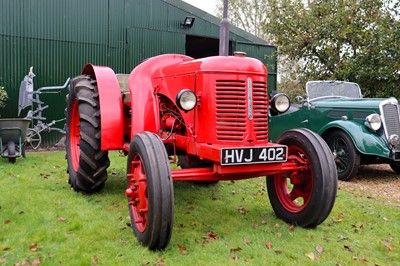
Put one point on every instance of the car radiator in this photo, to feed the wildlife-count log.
(391, 122)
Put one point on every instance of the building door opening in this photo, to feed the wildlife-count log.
(198, 47)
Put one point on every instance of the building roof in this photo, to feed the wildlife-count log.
(196, 12)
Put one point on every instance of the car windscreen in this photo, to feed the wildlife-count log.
(326, 89)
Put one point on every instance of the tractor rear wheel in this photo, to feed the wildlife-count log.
(304, 196)
(150, 191)
(87, 163)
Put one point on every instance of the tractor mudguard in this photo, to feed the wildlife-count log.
(364, 140)
(111, 112)
(144, 102)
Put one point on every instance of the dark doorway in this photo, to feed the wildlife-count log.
(198, 47)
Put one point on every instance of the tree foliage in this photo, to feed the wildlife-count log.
(249, 15)
(354, 40)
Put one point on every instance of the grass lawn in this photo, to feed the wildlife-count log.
(231, 223)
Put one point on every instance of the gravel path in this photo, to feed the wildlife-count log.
(377, 182)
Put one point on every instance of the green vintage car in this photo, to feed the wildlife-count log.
(357, 130)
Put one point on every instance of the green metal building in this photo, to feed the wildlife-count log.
(59, 37)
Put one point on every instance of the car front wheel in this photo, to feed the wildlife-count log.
(346, 156)
(395, 167)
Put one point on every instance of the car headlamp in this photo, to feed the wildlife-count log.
(186, 100)
(394, 140)
(280, 103)
(373, 121)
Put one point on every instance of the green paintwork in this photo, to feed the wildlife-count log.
(324, 116)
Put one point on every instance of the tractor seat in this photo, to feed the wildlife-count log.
(123, 86)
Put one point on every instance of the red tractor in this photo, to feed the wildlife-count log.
(208, 115)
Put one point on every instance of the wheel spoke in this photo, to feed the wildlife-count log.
(137, 193)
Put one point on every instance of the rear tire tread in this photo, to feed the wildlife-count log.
(93, 162)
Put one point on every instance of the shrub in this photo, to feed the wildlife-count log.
(3, 97)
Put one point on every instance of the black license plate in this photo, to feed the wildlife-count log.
(254, 155)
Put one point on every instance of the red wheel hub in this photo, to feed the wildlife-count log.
(75, 135)
(294, 189)
(137, 193)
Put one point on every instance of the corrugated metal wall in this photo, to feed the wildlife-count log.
(59, 37)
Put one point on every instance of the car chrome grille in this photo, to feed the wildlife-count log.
(231, 110)
(391, 119)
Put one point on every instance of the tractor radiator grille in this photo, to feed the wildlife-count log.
(232, 112)
(391, 120)
(260, 105)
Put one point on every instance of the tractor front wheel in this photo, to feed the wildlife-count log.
(87, 163)
(150, 191)
(304, 196)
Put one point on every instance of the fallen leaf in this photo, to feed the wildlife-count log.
(236, 249)
(50, 255)
(242, 210)
(182, 249)
(2, 260)
(279, 234)
(310, 255)
(95, 260)
(210, 236)
(7, 221)
(61, 219)
(246, 241)
(360, 259)
(292, 228)
(234, 256)
(33, 247)
(385, 219)
(160, 262)
(279, 250)
(350, 249)
(268, 245)
(7, 248)
(388, 246)
(255, 226)
(319, 249)
(277, 226)
(25, 262)
(36, 261)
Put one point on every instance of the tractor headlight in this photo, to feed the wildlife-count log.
(280, 103)
(186, 100)
(373, 122)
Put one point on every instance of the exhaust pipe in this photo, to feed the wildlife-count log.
(224, 32)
